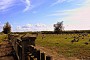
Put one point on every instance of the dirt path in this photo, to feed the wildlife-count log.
(54, 54)
(6, 50)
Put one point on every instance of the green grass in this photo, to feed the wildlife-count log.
(62, 42)
(2, 37)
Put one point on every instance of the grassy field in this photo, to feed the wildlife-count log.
(2, 37)
(62, 44)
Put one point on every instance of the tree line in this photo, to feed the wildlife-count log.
(58, 29)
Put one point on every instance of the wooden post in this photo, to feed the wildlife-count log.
(32, 58)
(31, 48)
(16, 48)
(38, 54)
(48, 58)
(23, 55)
(35, 58)
(29, 56)
(43, 57)
(20, 52)
(34, 52)
(27, 40)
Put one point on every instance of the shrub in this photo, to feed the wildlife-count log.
(7, 28)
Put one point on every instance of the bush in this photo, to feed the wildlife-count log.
(7, 28)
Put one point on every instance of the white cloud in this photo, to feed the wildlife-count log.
(60, 13)
(40, 25)
(31, 4)
(77, 18)
(18, 27)
(60, 1)
(1, 26)
(28, 5)
(70, 0)
(57, 2)
(43, 27)
(27, 26)
(5, 4)
(76, 27)
(80, 14)
(36, 27)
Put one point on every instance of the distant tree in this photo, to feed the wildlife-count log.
(7, 28)
(58, 28)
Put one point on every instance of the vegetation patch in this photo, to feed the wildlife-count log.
(2, 37)
(61, 43)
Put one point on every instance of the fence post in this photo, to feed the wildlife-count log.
(38, 54)
(31, 57)
(35, 58)
(49, 58)
(34, 52)
(23, 53)
(31, 48)
(43, 57)
(28, 55)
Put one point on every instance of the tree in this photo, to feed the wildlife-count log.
(58, 28)
(7, 28)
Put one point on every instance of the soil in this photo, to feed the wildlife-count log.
(54, 54)
(6, 50)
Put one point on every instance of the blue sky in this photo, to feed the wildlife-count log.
(38, 15)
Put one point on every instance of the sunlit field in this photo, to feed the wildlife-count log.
(2, 37)
(68, 45)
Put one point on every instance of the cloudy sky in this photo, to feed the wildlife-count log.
(38, 15)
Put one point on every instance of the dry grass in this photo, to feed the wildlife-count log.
(62, 45)
(2, 37)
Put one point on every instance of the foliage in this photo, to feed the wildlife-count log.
(51, 32)
(47, 32)
(58, 28)
(7, 28)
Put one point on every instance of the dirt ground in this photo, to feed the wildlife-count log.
(54, 54)
(5, 50)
